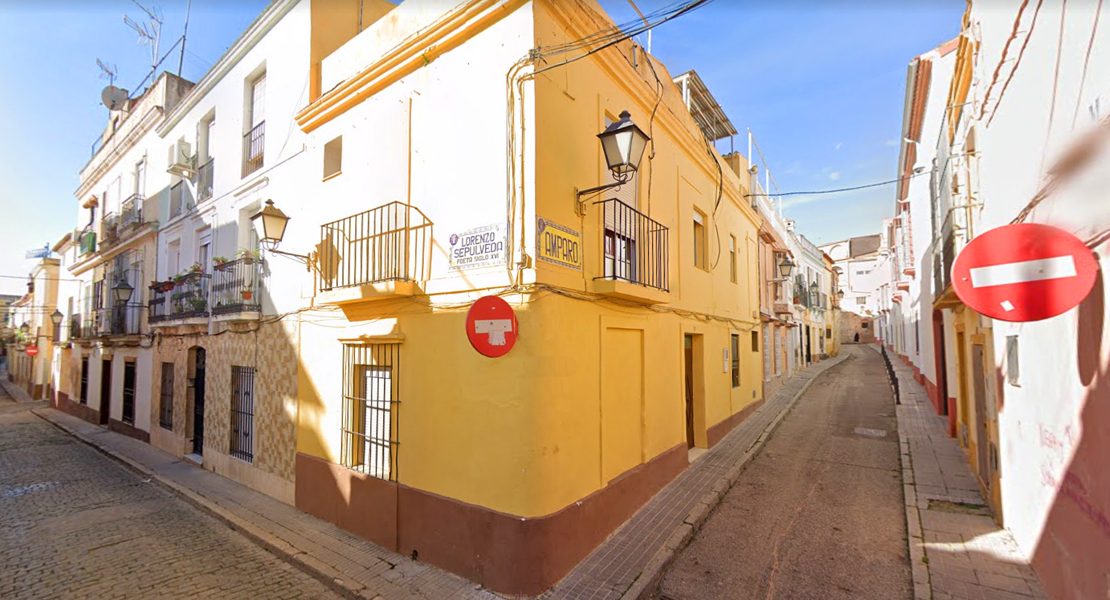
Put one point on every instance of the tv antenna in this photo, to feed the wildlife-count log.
(150, 32)
(109, 72)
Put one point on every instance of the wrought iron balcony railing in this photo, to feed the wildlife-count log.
(75, 326)
(635, 246)
(387, 243)
(187, 298)
(109, 229)
(236, 286)
(204, 180)
(131, 211)
(121, 319)
(254, 142)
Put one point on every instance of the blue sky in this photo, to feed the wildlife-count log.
(819, 83)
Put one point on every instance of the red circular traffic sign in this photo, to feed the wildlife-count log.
(491, 326)
(32, 350)
(1024, 272)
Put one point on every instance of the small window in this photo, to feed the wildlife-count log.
(242, 413)
(866, 325)
(699, 240)
(732, 257)
(828, 333)
(165, 407)
(861, 300)
(333, 157)
(755, 341)
(735, 360)
(84, 398)
(129, 391)
(1013, 363)
(369, 442)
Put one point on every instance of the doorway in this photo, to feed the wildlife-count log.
(940, 363)
(982, 433)
(105, 390)
(198, 401)
(809, 352)
(688, 369)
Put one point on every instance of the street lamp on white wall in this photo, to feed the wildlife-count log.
(785, 268)
(122, 292)
(270, 223)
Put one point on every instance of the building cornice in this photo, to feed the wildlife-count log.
(246, 42)
(129, 141)
(450, 31)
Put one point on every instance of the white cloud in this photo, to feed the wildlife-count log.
(834, 175)
(838, 145)
(890, 143)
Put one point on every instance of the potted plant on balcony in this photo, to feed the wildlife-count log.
(247, 256)
(195, 268)
(247, 292)
(220, 261)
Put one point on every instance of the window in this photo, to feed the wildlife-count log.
(140, 177)
(333, 157)
(699, 240)
(369, 443)
(84, 398)
(755, 341)
(129, 391)
(732, 257)
(828, 333)
(255, 138)
(1013, 362)
(165, 407)
(861, 299)
(735, 360)
(866, 325)
(242, 413)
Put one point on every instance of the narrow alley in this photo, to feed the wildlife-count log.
(819, 512)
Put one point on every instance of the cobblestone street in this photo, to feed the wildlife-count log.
(76, 524)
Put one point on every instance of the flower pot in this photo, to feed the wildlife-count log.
(247, 295)
(168, 286)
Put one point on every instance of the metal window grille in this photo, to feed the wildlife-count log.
(370, 397)
(735, 360)
(129, 392)
(254, 142)
(635, 245)
(242, 413)
(84, 380)
(165, 409)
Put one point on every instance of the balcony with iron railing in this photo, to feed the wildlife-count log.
(185, 299)
(76, 326)
(131, 212)
(635, 254)
(383, 252)
(119, 320)
(177, 199)
(254, 142)
(109, 229)
(204, 180)
(235, 288)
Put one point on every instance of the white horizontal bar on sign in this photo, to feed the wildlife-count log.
(1025, 271)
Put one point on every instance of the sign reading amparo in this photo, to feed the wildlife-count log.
(1024, 272)
(478, 247)
(558, 245)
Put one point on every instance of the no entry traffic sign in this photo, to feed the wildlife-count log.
(491, 326)
(32, 350)
(1024, 272)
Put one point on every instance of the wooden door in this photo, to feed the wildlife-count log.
(979, 385)
(688, 343)
(105, 390)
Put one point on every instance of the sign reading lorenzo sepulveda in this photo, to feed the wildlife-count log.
(479, 247)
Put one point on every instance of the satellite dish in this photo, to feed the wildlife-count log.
(113, 97)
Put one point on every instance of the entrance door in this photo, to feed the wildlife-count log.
(809, 352)
(979, 385)
(688, 344)
(198, 404)
(105, 390)
(940, 362)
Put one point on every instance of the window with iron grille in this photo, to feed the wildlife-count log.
(735, 360)
(84, 380)
(165, 408)
(242, 413)
(129, 391)
(370, 397)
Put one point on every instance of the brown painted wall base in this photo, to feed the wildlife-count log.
(81, 411)
(717, 432)
(129, 430)
(505, 553)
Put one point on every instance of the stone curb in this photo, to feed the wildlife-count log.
(651, 576)
(17, 393)
(915, 537)
(269, 542)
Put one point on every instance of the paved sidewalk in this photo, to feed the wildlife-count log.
(17, 393)
(957, 550)
(630, 563)
(345, 562)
